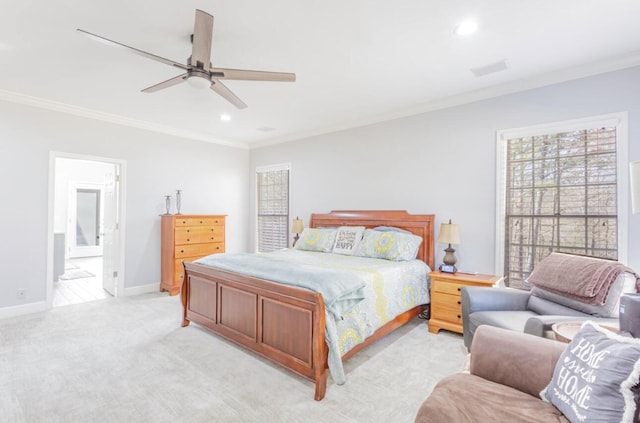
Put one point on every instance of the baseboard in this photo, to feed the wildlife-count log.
(21, 310)
(142, 289)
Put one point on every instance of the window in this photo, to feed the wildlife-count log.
(561, 191)
(272, 194)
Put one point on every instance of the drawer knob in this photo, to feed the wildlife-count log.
(212, 238)
(189, 230)
(459, 316)
(217, 248)
(182, 251)
(459, 302)
(459, 289)
(188, 239)
(201, 221)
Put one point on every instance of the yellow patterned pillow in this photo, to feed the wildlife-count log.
(390, 245)
(316, 239)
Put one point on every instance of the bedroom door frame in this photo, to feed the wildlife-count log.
(118, 247)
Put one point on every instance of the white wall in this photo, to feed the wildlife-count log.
(213, 179)
(444, 162)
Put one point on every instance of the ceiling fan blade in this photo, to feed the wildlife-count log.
(166, 84)
(133, 49)
(225, 92)
(202, 34)
(252, 75)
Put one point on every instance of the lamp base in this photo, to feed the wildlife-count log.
(295, 239)
(449, 257)
(447, 268)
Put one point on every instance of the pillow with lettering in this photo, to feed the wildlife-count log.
(347, 239)
(597, 377)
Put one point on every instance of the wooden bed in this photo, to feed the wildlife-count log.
(284, 323)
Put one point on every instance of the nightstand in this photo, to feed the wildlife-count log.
(446, 302)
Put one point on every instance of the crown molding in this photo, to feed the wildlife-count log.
(550, 78)
(42, 103)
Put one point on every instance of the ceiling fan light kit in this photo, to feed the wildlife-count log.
(198, 82)
(199, 71)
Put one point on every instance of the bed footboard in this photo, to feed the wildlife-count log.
(282, 323)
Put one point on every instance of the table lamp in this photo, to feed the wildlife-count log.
(449, 234)
(296, 228)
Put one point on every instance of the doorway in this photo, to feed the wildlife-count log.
(85, 225)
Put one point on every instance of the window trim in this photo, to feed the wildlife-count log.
(262, 169)
(619, 120)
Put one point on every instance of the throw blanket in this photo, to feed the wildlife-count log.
(340, 290)
(584, 279)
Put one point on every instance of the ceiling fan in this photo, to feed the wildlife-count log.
(199, 71)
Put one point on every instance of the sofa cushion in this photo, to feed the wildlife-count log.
(596, 378)
(468, 398)
(506, 319)
(545, 306)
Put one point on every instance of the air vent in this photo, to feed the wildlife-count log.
(266, 129)
(488, 69)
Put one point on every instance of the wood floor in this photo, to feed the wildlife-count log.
(82, 289)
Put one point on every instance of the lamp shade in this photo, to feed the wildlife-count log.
(449, 233)
(634, 172)
(297, 226)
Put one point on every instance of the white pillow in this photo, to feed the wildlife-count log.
(347, 239)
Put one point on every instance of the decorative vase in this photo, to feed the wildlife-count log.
(167, 203)
(178, 201)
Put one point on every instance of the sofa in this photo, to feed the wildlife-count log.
(534, 312)
(507, 372)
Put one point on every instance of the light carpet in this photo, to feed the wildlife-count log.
(129, 360)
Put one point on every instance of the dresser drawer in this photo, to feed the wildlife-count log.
(199, 234)
(447, 287)
(199, 250)
(178, 276)
(446, 314)
(200, 221)
(179, 269)
(447, 300)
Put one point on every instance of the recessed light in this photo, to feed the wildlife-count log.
(225, 117)
(466, 28)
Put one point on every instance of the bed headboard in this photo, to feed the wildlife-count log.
(419, 224)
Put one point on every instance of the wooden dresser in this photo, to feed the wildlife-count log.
(446, 303)
(186, 238)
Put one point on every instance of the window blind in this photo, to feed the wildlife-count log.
(272, 195)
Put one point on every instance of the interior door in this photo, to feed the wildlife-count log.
(85, 220)
(110, 234)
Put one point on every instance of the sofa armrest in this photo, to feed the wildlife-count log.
(515, 359)
(540, 325)
(489, 299)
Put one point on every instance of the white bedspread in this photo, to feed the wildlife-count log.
(391, 288)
